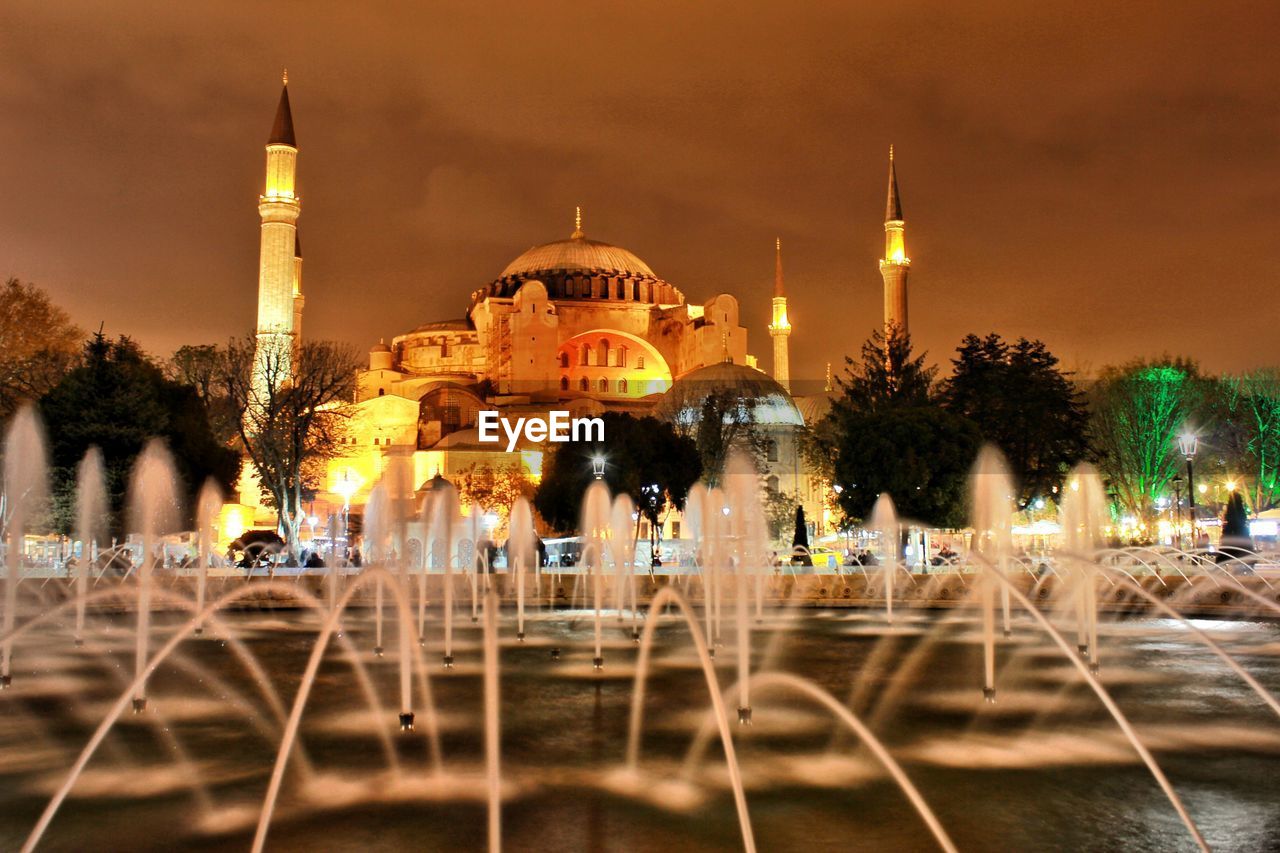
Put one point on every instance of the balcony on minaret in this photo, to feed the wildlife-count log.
(780, 322)
(895, 248)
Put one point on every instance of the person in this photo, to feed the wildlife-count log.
(314, 560)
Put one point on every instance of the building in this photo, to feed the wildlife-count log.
(579, 325)
(575, 324)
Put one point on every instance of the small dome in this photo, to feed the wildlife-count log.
(380, 346)
(772, 405)
(577, 254)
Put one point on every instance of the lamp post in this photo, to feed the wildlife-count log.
(346, 487)
(1177, 509)
(597, 466)
(1187, 443)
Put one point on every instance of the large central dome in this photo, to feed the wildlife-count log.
(577, 254)
(581, 269)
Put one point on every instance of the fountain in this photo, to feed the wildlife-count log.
(91, 510)
(24, 488)
(525, 752)
(153, 511)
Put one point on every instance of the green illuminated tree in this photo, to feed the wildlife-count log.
(1138, 411)
(1247, 413)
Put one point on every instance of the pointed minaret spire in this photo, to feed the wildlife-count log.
(577, 225)
(893, 207)
(895, 264)
(780, 328)
(282, 129)
(777, 269)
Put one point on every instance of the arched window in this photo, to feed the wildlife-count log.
(622, 356)
(603, 385)
(564, 383)
(640, 362)
(564, 358)
(584, 384)
(622, 386)
(771, 484)
(585, 358)
(621, 285)
(604, 353)
(771, 451)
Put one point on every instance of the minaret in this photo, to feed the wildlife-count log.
(780, 328)
(895, 265)
(280, 255)
(298, 299)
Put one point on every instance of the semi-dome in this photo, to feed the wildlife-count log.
(771, 404)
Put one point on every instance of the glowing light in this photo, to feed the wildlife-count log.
(1264, 527)
(1231, 485)
(348, 485)
(1202, 488)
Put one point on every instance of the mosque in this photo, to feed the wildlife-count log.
(575, 324)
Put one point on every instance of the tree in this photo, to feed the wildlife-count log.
(888, 376)
(1023, 404)
(779, 513)
(38, 345)
(643, 457)
(1236, 541)
(718, 420)
(291, 410)
(117, 399)
(920, 455)
(800, 539)
(494, 490)
(1247, 432)
(200, 366)
(1138, 411)
(886, 433)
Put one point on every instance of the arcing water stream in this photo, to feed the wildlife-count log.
(1159, 720)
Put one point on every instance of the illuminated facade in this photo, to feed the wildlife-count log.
(895, 264)
(578, 325)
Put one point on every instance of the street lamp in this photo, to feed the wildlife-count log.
(346, 487)
(597, 466)
(1187, 443)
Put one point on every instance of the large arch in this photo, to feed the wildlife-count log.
(628, 366)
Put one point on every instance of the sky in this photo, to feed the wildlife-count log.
(1102, 176)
